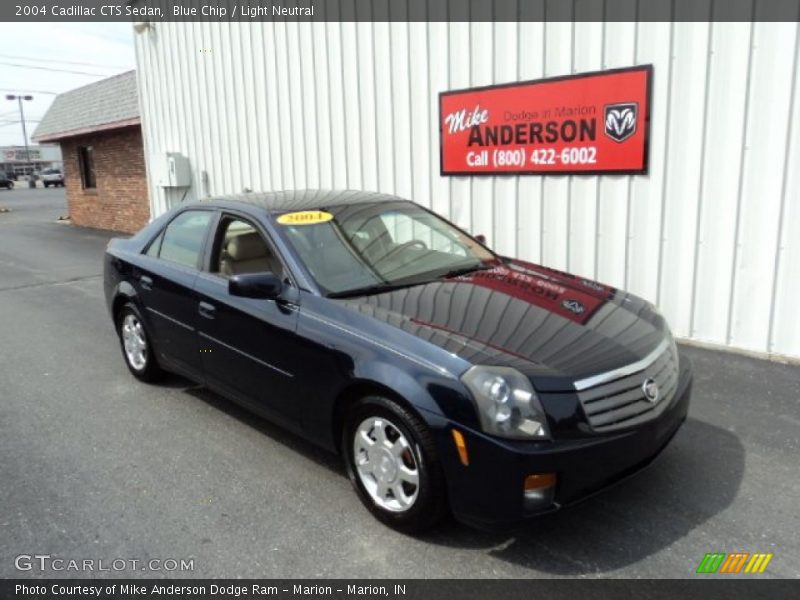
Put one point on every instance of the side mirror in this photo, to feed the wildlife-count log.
(480, 238)
(266, 286)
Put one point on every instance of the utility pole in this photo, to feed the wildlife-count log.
(20, 98)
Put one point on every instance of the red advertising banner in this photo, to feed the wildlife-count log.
(592, 123)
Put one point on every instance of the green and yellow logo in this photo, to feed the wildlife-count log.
(734, 563)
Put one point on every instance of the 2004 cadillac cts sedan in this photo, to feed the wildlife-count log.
(448, 377)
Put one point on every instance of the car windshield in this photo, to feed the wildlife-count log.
(368, 248)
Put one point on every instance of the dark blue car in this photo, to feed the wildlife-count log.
(448, 377)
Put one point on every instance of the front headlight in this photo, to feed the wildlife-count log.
(507, 403)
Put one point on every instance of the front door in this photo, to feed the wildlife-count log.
(249, 346)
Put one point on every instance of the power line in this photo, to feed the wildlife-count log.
(29, 91)
(10, 123)
(8, 64)
(10, 117)
(65, 62)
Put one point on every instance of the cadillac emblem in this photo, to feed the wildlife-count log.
(650, 389)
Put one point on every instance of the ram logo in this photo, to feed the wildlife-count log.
(621, 120)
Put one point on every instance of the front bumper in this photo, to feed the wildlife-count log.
(488, 493)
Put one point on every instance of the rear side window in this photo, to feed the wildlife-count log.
(155, 246)
(182, 240)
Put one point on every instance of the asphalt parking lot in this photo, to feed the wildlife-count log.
(96, 465)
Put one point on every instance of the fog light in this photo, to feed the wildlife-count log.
(461, 446)
(539, 490)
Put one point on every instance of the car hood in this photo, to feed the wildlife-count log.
(552, 326)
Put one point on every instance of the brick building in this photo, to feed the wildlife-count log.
(98, 128)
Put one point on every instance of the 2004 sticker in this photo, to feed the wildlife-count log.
(305, 217)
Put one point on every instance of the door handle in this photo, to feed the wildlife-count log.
(207, 310)
(147, 282)
(285, 306)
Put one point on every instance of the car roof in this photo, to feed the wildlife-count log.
(295, 200)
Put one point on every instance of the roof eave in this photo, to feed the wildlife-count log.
(60, 135)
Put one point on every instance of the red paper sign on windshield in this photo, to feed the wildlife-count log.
(593, 123)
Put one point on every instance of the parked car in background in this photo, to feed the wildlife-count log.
(11, 175)
(52, 177)
(448, 377)
(5, 182)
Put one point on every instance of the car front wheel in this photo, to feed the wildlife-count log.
(136, 346)
(391, 461)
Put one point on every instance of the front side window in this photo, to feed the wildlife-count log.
(182, 241)
(86, 163)
(240, 248)
(366, 247)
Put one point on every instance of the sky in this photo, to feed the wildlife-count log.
(102, 49)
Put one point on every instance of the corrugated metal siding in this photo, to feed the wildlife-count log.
(712, 234)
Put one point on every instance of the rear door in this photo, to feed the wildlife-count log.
(165, 280)
(249, 347)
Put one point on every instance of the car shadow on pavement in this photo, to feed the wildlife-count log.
(696, 477)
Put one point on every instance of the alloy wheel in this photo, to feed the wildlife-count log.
(386, 464)
(134, 341)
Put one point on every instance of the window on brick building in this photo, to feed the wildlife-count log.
(86, 161)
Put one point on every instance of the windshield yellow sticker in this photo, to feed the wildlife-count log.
(305, 217)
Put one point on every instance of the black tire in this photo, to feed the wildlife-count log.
(430, 506)
(151, 371)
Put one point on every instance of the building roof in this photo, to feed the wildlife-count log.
(108, 104)
(285, 201)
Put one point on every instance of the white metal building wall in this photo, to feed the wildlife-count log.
(711, 235)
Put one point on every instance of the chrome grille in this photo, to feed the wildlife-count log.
(616, 400)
